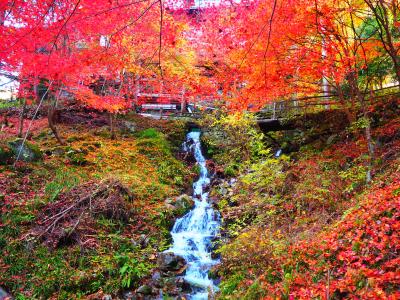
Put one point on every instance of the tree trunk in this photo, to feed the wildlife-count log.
(370, 142)
(4, 123)
(52, 125)
(397, 69)
(367, 129)
(371, 151)
(112, 125)
(349, 113)
(21, 119)
(36, 90)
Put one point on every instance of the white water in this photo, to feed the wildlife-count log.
(193, 233)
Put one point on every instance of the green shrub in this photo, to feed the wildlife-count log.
(150, 133)
(229, 286)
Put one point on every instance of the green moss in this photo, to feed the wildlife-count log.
(77, 157)
(64, 180)
(6, 154)
(150, 133)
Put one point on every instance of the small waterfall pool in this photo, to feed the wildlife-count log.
(194, 232)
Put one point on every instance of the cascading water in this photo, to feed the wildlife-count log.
(194, 232)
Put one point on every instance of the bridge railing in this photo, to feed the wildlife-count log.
(285, 108)
(297, 106)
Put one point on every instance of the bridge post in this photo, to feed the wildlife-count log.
(183, 102)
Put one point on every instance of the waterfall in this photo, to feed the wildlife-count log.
(194, 232)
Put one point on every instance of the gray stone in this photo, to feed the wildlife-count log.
(106, 297)
(144, 240)
(331, 139)
(128, 295)
(144, 290)
(156, 276)
(28, 152)
(181, 204)
(135, 243)
(130, 126)
(58, 151)
(168, 261)
(223, 191)
(4, 295)
(184, 202)
(232, 181)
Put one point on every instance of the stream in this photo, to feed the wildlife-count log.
(194, 232)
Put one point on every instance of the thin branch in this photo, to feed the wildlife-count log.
(269, 41)
(161, 34)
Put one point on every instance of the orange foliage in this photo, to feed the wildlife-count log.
(108, 103)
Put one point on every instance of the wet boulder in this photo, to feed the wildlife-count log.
(183, 285)
(188, 153)
(27, 152)
(168, 261)
(184, 202)
(175, 286)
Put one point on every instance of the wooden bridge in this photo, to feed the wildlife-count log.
(272, 115)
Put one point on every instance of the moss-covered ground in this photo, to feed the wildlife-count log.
(120, 254)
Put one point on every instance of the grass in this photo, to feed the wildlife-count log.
(4, 104)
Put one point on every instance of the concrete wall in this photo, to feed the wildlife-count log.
(8, 88)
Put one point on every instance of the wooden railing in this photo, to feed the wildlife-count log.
(282, 109)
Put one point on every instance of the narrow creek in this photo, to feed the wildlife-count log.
(194, 232)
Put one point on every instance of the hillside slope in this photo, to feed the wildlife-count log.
(307, 225)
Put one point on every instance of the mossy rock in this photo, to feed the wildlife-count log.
(6, 154)
(181, 204)
(77, 157)
(27, 152)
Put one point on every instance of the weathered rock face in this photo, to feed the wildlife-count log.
(29, 152)
(168, 261)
